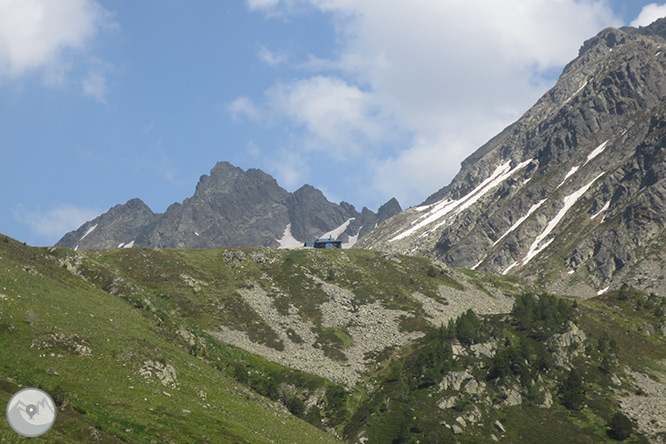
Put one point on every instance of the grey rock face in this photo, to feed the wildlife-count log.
(122, 224)
(388, 210)
(230, 207)
(573, 194)
(310, 211)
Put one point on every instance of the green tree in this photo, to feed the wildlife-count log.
(336, 398)
(435, 359)
(508, 361)
(573, 391)
(468, 328)
(620, 427)
(542, 317)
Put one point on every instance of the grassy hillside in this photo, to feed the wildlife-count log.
(120, 371)
(260, 345)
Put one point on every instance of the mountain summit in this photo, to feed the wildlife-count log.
(231, 207)
(573, 194)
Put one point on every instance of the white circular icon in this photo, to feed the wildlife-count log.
(31, 412)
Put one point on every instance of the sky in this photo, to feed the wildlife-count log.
(102, 101)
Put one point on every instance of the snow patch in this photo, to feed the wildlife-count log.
(335, 233)
(509, 268)
(479, 263)
(569, 201)
(90, 230)
(571, 172)
(120, 245)
(352, 239)
(446, 206)
(581, 87)
(288, 240)
(603, 210)
(571, 271)
(532, 209)
(602, 291)
(76, 248)
(576, 93)
(129, 245)
(595, 152)
(196, 233)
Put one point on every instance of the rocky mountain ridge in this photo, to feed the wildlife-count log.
(230, 207)
(573, 194)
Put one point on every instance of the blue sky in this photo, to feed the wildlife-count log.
(102, 101)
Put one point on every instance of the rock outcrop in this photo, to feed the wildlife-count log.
(573, 194)
(230, 207)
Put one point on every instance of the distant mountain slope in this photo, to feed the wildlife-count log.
(573, 194)
(231, 207)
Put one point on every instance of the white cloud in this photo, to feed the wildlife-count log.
(243, 107)
(289, 168)
(271, 58)
(252, 150)
(649, 14)
(338, 117)
(94, 85)
(55, 223)
(448, 74)
(36, 34)
(262, 4)
(422, 168)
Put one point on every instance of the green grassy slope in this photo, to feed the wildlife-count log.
(107, 358)
(128, 341)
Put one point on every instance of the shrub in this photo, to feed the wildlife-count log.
(314, 417)
(620, 427)
(623, 295)
(58, 395)
(336, 398)
(240, 372)
(296, 406)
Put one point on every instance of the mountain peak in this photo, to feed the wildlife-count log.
(230, 207)
(571, 194)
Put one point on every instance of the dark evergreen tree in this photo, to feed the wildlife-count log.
(620, 427)
(573, 391)
(468, 328)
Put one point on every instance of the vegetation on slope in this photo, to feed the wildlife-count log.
(532, 376)
(126, 341)
(120, 370)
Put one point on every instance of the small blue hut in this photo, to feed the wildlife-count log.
(325, 243)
